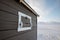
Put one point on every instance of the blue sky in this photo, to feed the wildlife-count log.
(49, 10)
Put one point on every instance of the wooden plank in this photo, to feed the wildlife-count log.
(18, 7)
(6, 27)
(31, 35)
(14, 35)
(11, 24)
(8, 9)
(4, 35)
(8, 21)
(8, 16)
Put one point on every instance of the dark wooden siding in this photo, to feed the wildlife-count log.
(9, 20)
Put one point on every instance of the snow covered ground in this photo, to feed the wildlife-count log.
(48, 32)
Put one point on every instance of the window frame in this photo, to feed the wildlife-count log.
(20, 28)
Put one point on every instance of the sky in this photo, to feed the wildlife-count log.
(49, 10)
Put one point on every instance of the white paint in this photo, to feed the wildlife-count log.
(20, 28)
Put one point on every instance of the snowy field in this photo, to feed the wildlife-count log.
(48, 32)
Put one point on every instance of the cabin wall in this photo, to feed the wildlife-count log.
(9, 21)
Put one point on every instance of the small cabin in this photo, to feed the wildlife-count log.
(18, 21)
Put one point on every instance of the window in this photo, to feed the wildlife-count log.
(24, 22)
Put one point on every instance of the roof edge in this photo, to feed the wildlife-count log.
(22, 1)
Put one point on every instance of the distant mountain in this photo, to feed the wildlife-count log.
(49, 23)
